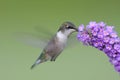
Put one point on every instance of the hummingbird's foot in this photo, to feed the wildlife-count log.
(53, 59)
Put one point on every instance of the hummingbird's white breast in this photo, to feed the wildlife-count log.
(62, 37)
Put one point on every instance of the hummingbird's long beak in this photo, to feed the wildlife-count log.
(76, 29)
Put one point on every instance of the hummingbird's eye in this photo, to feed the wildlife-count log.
(69, 27)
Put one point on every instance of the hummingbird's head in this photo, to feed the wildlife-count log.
(67, 28)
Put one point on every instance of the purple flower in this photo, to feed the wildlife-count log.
(111, 41)
(81, 27)
(114, 62)
(94, 33)
(105, 33)
(109, 28)
(92, 25)
(102, 37)
(117, 47)
(117, 68)
(108, 47)
(113, 34)
(98, 44)
(118, 58)
(84, 37)
(106, 39)
(101, 24)
(117, 40)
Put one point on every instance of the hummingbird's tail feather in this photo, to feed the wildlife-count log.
(36, 63)
(32, 66)
(42, 58)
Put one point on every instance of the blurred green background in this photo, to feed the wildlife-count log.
(76, 63)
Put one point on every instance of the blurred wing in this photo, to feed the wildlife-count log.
(43, 31)
(37, 40)
(31, 39)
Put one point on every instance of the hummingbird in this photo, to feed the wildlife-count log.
(56, 44)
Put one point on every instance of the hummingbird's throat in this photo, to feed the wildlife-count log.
(62, 37)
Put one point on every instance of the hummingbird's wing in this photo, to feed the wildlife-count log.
(32, 39)
(38, 39)
(44, 31)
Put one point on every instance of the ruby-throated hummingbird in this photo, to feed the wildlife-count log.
(57, 44)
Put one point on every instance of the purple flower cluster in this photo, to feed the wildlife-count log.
(102, 37)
